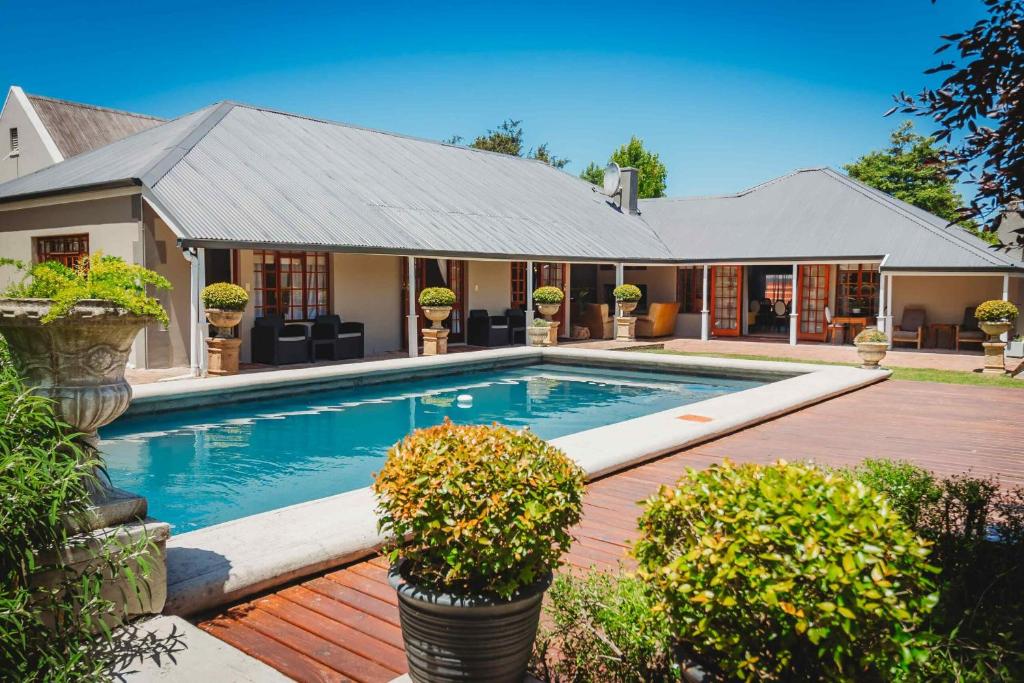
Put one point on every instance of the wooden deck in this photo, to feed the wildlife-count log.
(344, 625)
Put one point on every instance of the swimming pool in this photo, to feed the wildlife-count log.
(202, 467)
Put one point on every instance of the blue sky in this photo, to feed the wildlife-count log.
(730, 94)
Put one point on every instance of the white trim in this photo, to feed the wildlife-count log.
(529, 297)
(70, 198)
(411, 331)
(37, 123)
(705, 311)
(953, 273)
(794, 313)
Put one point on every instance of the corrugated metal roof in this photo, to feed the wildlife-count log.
(815, 213)
(78, 128)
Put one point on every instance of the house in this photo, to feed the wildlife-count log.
(316, 217)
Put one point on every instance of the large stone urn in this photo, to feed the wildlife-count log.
(548, 310)
(627, 307)
(222, 349)
(995, 362)
(871, 353)
(436, 315)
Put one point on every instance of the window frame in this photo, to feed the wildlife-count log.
(67, 257)
(850, 284)
(283, 305)
(690, 289)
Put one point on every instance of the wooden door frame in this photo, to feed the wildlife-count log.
(726, 332)
(420, 267)
(799, 303)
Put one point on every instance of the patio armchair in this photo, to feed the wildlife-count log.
(660, 320)
(348, 337)
(485, 329)
(968, 331)
(911, 328)
(596, 319)
(275, 342)
(516, 325)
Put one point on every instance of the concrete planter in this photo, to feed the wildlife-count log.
(994, 329)
(627, 307)
(436, 315)
(466, 638)
(871, 353)
(548, 310)
(223, 320)
(1015, 349)
(538, 336)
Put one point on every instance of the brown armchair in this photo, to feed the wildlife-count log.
(596, 319)
(968, 331)
(660, 320)
(911, 328)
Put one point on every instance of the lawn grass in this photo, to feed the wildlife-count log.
(909, 374)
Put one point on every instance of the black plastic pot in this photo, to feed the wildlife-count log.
(467, 638)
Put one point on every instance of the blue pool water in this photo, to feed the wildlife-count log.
(203, 467)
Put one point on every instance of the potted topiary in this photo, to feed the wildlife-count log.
(224, 303)
(538, 333)
(548, 299)
(627, 297)
(479, 517)
(996, 317)
(872, 345)
(785, 572)
(437, 303)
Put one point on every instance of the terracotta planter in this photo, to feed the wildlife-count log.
(222, 355)
(538, 336)
(548, 310)
(871, 353)
(627, 307)
(437, 315)
(994, 329)
(467, 638)
(223, 320)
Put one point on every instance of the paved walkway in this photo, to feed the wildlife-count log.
(344, 625)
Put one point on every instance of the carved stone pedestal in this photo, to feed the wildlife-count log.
(435, 342)
(625, 328)
(994, 363)
(552, 333)
(222, 355)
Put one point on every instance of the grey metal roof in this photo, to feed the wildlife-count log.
(78, 128)
(816, 213)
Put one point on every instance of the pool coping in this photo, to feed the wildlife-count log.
(221, 564)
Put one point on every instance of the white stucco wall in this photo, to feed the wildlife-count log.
(168, 347)
(489, 285)
(367, 289)
(944, 297)
(33, 154)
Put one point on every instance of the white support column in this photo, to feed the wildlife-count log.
(529, 296)
(200, 323)
(1005, 336)
(620, 279)
(411, 315)
(705, 312)
(881, 304)
(567, 332)
(794, 314)
(888, 310)
(195, 342)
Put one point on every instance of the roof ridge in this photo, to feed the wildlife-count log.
(97, 107)
(162, 166)
(733, 195)
(889, 202)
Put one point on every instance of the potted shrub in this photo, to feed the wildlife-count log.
(437, 303)
(627, 297)
(479, 517)
(872, 345)
(1015, 347)
(548, 300)
(996, 317)
(224, 303)
(785, 572)
(538, 333)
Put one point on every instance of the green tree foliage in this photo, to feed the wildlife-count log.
(910, 169)
(653, 174)
(508, 138)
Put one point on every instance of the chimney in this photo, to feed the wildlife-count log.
(629, 187)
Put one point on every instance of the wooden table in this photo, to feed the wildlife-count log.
(935, 329)
(856, 323)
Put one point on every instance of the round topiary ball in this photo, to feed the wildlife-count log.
(996, 311)
(224, 296)
(437, 296)
(548, 295)
(484, 510)
(785, 572)
(627, 293)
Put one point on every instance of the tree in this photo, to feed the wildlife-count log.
(983, 100)
(910, 169)
(653, 173)
(507, 138)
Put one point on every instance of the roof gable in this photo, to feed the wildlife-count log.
(78, 128)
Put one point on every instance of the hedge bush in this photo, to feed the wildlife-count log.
(996, 311)
(627, 293)
(224, 296)
(483, 510)
(94, 277)
(548, 295)
(785, 572)
(870, 335)
(437, 296)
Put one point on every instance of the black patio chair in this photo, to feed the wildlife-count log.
(487, 330)
(348, 337)
(276, 342)
(516, 325)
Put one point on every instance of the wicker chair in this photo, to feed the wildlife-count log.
(275, 342)
(485, 329)
(349, 338)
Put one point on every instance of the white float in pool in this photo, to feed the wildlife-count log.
(464, 401)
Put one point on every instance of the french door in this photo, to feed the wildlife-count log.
(813, 291)
(726, 300)
(544, 275)
(450, 273)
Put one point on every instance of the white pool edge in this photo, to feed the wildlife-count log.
(222, 564)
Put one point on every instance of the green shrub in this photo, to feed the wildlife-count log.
(870, 335)
(437, 296)
(95, 277)
(603, 628)
(224, 296)
(996, 311)
(627, 293)
(483, 509)
(785, 572)
(539, 322)
(548, 295)
(911, 490)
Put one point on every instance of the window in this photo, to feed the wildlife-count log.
(690, 288)
(14, 140)
(857, 290)
(66, 249)
(294, 285)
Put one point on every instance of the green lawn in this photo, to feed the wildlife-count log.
(911, 374)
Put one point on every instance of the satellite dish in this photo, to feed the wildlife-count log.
(612, 178)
